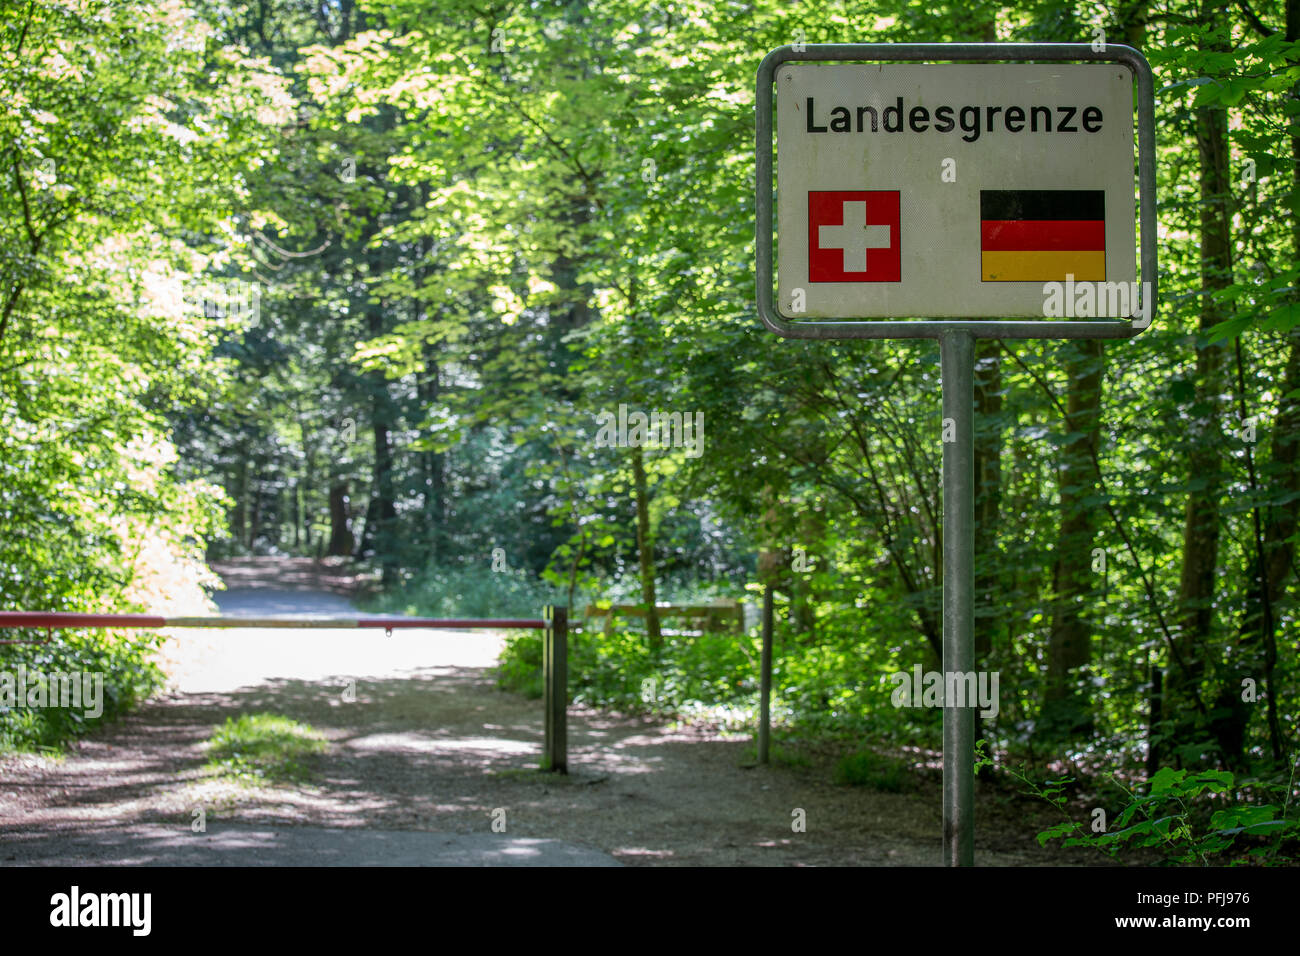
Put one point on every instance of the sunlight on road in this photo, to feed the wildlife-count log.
(205, 661)
(422, 743)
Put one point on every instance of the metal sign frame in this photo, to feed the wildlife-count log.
(957, 362)
(791, 327)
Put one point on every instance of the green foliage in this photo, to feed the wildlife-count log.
(124, 662)
(869, 769)
(1187, 817)
(467, 255)
(550, 216)
(122, 150)
(782, 755)
(983, 759)
(713, 675)
(469, 592)
(519, 668)
(258, 748)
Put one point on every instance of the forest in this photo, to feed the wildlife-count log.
(389, 283)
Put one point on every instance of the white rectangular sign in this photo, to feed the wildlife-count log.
(952, 190)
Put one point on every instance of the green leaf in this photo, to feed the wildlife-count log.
(1166, 779)
(1061, 829)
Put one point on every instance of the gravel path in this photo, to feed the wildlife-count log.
(425, 755)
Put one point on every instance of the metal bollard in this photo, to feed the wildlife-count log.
(555, 683)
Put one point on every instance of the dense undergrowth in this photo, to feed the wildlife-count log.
(56, 686)
(836, 699)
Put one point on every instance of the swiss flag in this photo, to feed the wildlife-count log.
(853, 236)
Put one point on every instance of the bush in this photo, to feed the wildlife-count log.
(1189, 818)
(869, 769)
(718, 672)
(123, 662)
(469, 592)
(147, 564)
(520, 666)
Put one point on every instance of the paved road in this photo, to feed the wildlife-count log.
(206, 661)
(232, 844)
(234, 663)
(426, 754)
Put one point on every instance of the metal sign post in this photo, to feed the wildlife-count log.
(957, 366)
(921, 180)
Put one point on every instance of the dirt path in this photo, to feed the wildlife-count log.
(431, 748)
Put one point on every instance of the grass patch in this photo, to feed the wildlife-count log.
(869, 769)
(786, 757)
(264, 748)
(777, 756)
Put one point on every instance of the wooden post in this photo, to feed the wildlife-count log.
(765, 679)
(555, 683)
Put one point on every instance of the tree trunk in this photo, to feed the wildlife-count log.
(803, 600)
(341, 543)
(284, 513)
(435, 485)
(307, 482)
(240, 519)
(1201, 519)
(1133, 24)
(255, 518)
(1066, 710)
(1274, 525)
(645, 549)
(382, 511)
(381, 514)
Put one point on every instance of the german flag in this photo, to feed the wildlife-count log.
(1042, 235)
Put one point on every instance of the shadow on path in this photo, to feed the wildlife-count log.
(425, 755)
